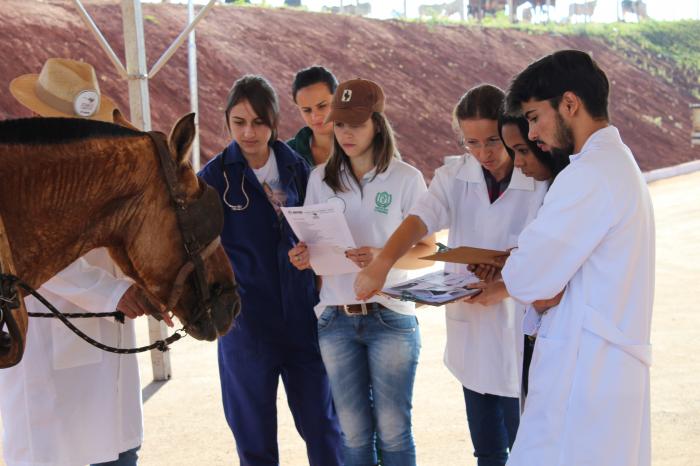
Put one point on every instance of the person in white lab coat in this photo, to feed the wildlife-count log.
(485, 202)
(68, 403)
(591, 247)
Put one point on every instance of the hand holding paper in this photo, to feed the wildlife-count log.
(299, 256)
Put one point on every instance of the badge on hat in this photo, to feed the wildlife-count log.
(347, 95)
(86, 103)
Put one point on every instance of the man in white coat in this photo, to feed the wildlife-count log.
(591, 244)
(67, 403)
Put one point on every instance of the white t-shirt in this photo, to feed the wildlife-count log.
(269, 177)
(372, 216)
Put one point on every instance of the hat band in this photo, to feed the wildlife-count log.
(86, 102)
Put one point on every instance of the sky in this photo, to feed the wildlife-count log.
(605, 10)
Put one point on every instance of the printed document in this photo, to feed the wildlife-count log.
(325, 231)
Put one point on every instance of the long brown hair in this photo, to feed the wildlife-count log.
(383, 150)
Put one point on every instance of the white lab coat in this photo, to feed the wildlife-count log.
(67, 403)
(588, 398)
(482, 343)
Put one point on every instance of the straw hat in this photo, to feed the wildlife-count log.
(64, 88)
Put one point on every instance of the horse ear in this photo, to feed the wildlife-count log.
(120, 120)
(181, 138)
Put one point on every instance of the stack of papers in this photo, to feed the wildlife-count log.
(435, 289)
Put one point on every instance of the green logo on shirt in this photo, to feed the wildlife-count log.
(382, 201)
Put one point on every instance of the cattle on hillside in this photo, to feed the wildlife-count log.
(582, 9)
(357, 9)
(534, 8)
(442, 9)
(634, 7)
(478, 9)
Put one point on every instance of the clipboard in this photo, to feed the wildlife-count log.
(434, 288)
(468, 255)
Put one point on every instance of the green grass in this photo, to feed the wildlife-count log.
(676, 43)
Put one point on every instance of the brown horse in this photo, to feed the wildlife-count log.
(68, 186)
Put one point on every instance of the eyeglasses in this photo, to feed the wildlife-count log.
(491, 143)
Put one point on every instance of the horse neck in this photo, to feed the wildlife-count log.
(58, 202)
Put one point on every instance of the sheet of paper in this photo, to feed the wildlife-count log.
(435, 288)
(325, 231)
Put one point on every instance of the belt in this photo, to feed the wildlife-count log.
(361, 309)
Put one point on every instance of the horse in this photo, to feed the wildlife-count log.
(72, 185)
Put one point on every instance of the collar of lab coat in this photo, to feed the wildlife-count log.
(471, 173)
(602, 137)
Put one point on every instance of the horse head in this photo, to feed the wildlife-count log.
(171, 244)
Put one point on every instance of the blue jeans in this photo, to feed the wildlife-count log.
(371, 363)
(493, 421)
(126, 458)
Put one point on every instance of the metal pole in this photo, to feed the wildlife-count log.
(180, 39)
(695, 124)
(139, 106)
(100, 38)
(135, 51)
(511, 10)
(618, 8)
(194, 99)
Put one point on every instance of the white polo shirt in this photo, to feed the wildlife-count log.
(372, 215)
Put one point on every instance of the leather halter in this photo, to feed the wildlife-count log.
(13, 314)
(200, 222)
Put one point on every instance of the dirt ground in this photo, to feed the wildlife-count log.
(185, 426)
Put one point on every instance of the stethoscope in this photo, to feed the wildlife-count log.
(239, 207)
(242, 207)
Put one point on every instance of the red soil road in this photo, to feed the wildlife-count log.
(423, 68)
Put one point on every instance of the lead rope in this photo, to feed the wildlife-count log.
(160, 345)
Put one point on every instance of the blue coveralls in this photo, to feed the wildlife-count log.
(276, 333)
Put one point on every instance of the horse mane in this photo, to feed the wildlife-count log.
(58, 130)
